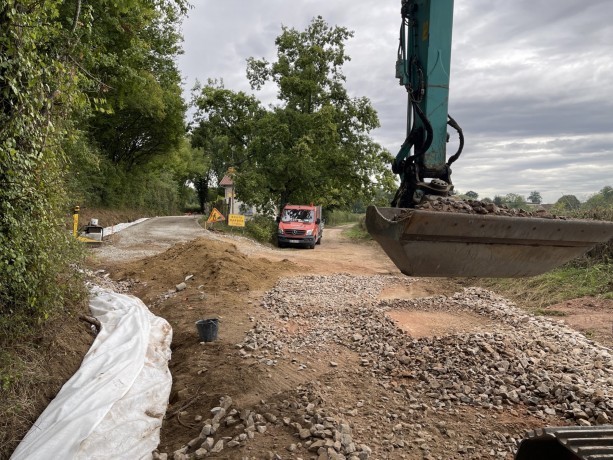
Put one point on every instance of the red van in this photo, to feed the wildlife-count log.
(300, 225)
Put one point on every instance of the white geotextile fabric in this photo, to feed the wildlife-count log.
(113, 406)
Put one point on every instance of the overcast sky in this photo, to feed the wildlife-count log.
(531, 80)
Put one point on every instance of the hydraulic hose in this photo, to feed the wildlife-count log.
(429, 133)
(455, 126)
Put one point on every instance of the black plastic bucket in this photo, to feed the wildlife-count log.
(207, 329)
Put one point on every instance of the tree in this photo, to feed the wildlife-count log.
(198, 174)
(226, 124)
(40, 89)
(73, 76)
(535, 198)
(314, 145)
(513, 200)
(567, 203)
(604, 198)
(138, 94)
(472, 195)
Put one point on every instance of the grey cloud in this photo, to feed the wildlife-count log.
(531, 80)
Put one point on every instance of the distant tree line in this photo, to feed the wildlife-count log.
(601, 200)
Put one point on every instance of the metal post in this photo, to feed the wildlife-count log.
(75, 221)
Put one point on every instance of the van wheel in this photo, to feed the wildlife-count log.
(319, 240)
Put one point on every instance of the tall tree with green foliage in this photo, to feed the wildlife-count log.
(136, 93)
(227, 121)
(315, 144)
(535, 197)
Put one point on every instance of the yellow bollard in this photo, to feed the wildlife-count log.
(75, 221)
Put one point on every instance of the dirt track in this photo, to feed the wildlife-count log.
(331, 353)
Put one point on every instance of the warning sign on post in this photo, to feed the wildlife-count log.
(215, 216)
(236, 220)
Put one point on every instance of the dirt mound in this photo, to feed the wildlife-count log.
(213, 265)
(222, 282)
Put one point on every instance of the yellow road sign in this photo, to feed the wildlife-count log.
(215, 216)
(236, 220)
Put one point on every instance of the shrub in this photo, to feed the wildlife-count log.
(39, 96)
(262, 228)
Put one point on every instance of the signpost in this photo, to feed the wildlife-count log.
(215, 216)
(236, 220)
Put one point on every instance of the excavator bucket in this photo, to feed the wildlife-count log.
(429, 243)
(568, 443)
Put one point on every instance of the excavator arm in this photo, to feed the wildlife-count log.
(428, 243)
(422, 67)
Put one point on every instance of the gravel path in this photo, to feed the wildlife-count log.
(380, 393)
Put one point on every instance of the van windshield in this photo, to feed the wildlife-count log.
(297, 215)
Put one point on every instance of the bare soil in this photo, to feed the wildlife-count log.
(431, 324)
(230, 276)
(589, 315)
(226, 277)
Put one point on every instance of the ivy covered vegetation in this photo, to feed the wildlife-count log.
(91, 114)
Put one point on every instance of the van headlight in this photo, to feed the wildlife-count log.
(309, 232)
(280, 231)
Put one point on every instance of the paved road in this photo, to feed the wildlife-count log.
(149, 238)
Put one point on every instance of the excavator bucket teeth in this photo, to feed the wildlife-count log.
(428, 243)
(568, 443)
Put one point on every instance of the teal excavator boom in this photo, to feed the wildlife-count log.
(422, 67)
(428, 243)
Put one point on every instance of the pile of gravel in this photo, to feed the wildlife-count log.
(528, 362)
(231, 427)
(525, 360)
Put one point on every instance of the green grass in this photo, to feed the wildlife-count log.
(357, 233)
(335, 218)
(565, 283)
